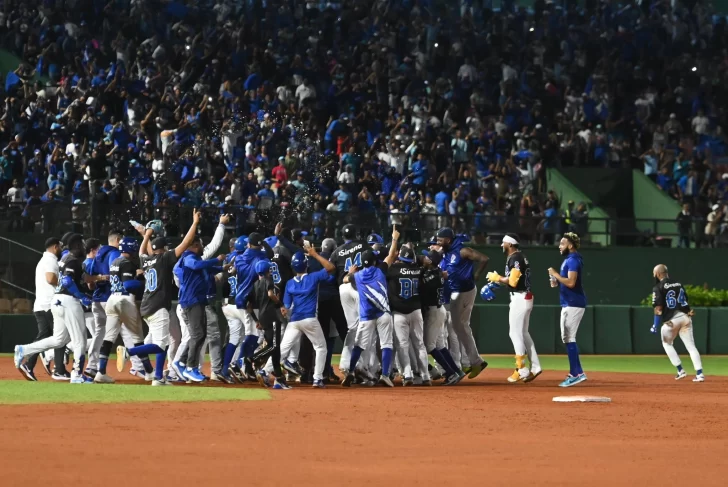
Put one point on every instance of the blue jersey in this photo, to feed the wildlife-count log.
(192, 273)
(301, 295)
(101, 267)
(246, 276)
(575, 297)
(460, 271)
(232, 277)
(371, 284)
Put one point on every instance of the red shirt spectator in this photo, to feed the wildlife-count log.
(279, 172)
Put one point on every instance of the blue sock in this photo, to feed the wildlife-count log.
(81, 362)
(249, 346)
(147, 364)
(699, 371)
(386, 361)
(679, 368)
(227, 357)
(159, 369)
(448, 359)
(437, 355)
(355, 354)
(329, 353)
(574, 363)
(149, 349)
(102, 364)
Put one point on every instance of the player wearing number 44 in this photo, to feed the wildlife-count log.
(672, 317)
(517, 280)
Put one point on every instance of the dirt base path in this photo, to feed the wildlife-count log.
(655, 432)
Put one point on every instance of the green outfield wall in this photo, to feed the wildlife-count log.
(603, 330)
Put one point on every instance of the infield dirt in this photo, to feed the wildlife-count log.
(656, 431)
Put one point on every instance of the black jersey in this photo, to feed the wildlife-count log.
(281, 271)
(519, 261)
(159, 287)
(671, 295)
(262, 302)
(346, 256)
(403, 286)
(120, 271)
(432, 285)
(72, 267)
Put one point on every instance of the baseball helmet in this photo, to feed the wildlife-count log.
(262, 266)
(241, 243)
(128, 245)
(298, 262)
(374, 238)
(349, 232)
(407, 254)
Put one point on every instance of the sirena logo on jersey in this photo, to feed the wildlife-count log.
(671, 285)
(352, 250)
(114, 268)
(410, 272)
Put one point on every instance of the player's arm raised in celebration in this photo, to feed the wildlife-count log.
(216, 241)
(475, 256)
(569, 281)
(143, 250)
(328, 266)
(392, 256)
(187, 241)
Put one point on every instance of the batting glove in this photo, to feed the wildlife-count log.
(493, 276)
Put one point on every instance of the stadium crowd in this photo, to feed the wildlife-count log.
(423, 111)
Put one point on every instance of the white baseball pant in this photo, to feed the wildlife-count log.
(175, 334)
(461, 308)
(434, 326)
(185, 333)
(88, 321)
(312, 329)
(235, 324)
(570, 320)
(409, 330)
(350, 304)
(69, 328)
(519, 315)
(681, 325)
(364, 333)
(123, 311)
(158, 323)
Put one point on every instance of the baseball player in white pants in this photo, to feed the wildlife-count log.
(409, 331)
(681, 325)
(174, 337)
(97, 336)
(350, 304)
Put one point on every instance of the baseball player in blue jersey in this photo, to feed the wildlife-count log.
(573, 302)
(301, 298)
(374, 311)
(458, 261)
(230, 311)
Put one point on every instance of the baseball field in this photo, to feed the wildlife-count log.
(656, 431)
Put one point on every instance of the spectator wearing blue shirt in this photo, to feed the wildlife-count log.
(441, 201)
(419, 172)
(343, 198)
(301, 298)
(192, 271)
(573, 302)
(266, 192)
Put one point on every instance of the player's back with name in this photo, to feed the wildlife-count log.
(432, 285)
(72, 267)
(671, 295)
(120, 270)
(403, 282)
(345, 256)
(159, 289)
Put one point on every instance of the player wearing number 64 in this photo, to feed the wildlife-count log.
(672, 317)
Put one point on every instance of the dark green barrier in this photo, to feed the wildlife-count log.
(16, 330)
(644, 342)
(613, 332)
(544, 327)
(718, 334)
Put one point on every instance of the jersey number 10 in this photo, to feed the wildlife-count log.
(681, 299)
(150, 278)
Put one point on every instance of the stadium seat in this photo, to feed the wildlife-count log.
(5, 306)
(22, 306)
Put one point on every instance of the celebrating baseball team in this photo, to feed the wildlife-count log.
(286, 303)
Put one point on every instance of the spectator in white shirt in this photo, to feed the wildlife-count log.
(346, 176)
(701, 123)
(467, 70)
(459, 148)
(17, 194)
(304, 92)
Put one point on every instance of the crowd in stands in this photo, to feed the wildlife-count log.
(424, 111)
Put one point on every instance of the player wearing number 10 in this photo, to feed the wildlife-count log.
(672, 316)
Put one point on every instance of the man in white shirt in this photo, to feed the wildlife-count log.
(46, 280)
(305, 91)
(701, 123)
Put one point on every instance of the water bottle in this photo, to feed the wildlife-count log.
(554, 282)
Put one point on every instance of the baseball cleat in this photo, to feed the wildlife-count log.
(161, 382)
(122, 357)
(514, 377)
(27, 373)
(348, 380)
(385, 380)
(427, 382)
(235, 373)
(681, 374)
(477, 369)
(136, 373)
(466, 368)
(573, 380)
(61, 375)
(149, 376)
(80, 379)
(18, 356)
(532, 375)
(293, 368)
(699, 378)
(407, 381)
(262, 377)
(194, 375)
(90, 373)
(174, 378)
(281, 385)
(318, 384)
(46, 363)
(334, 378)
(179, 367)
(435, 374)
(103, 379)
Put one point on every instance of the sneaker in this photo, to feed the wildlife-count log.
(532, 375)
(318, 384)
(418, 381)
(220, 377)
(475, 370)
(122, 357)
(455, 378)
(149, 376)
(348, 380)
(161, 382)
(699, 378)
(263, 378)
(80, 379)
(333, 377)
(407, 381)
(280, 385)
(174, 378)
(293, 368)
(27, 373)
(103, 379)
(384, 380)
(179, 367)
(18, 356)
(467, 369)
(46, 363)
(90, 373)
(681, 374)
(514, 377)
(235, 373)
(137, 373)
(194, 375)
(573, 380)
(61, 375)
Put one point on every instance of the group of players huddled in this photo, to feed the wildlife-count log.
(285, 305)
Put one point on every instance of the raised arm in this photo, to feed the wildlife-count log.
(216, 241)
(328, 266)
(187, 241)
(392, 256)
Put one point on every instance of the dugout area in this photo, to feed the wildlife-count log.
(657, 431)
